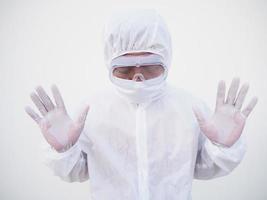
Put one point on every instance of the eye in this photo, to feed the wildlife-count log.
(122, 70)
(153, 68)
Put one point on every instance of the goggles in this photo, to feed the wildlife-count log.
(149, 66)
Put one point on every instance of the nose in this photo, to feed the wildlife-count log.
(137, 75)
(137, 70)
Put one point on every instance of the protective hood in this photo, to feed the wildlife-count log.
(130, 31)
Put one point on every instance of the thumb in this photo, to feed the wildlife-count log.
(82, 116)
(199, 115)
(79, 125)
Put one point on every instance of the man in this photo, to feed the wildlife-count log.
(144, 139)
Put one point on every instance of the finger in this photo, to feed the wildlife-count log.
(45, 98)
(58, 98)
(200, 118)
(250, 107)
(36, 100)
(232, 91)
(220, 94)
(241, 96)
(33, 114)
(82, 117)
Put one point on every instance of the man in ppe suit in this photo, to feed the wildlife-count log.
(143, 140)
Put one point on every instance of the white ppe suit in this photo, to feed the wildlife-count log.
(143, 151)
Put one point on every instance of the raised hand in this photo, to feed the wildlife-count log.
(226, 124)
(59, 130)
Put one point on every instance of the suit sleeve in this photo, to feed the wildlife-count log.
(71, 165)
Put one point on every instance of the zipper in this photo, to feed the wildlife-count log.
(141, 147)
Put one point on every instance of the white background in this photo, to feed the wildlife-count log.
(45, 42)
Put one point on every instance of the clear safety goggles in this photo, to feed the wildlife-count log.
(143, 67)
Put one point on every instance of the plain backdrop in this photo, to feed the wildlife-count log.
(46, 42)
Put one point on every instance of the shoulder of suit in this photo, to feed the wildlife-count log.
(102, 96)
(180, 94)
(181, 98)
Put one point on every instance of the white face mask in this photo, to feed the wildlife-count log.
(140, 91)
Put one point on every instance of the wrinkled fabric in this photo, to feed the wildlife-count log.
(149, 151)
(131, 31)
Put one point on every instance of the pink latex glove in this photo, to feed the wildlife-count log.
(226, 124)
(59, 130)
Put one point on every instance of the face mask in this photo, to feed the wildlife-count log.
(140, 91)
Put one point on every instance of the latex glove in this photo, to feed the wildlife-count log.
(59, 130)
(226, 124)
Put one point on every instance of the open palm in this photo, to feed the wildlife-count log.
(226, 124)
(57, 127)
